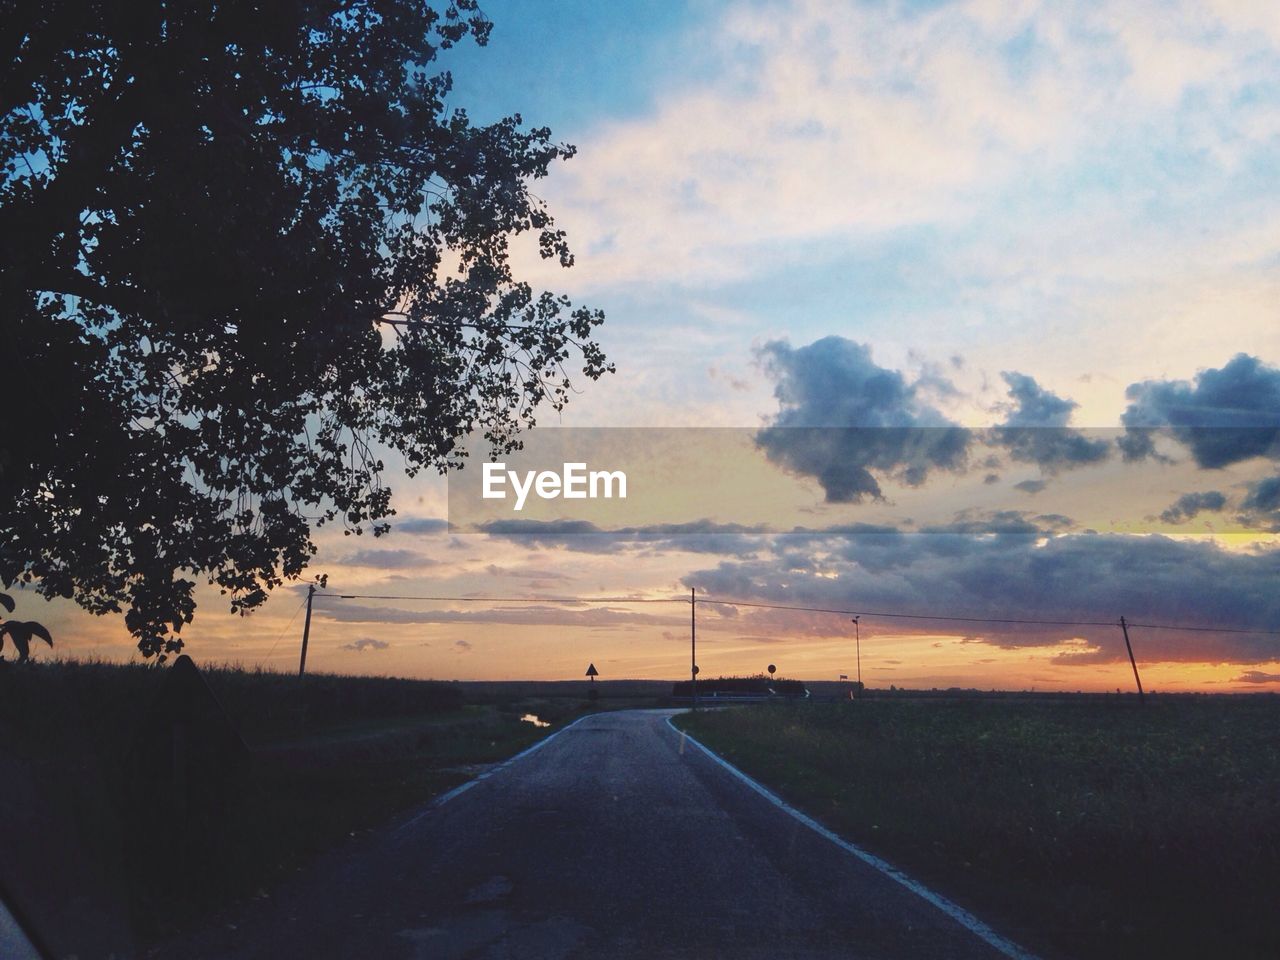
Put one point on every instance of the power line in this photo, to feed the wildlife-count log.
(877, 614)
(1006, 620)
(285, 630)
(913, 616)
(1170, 626)
(367, 596)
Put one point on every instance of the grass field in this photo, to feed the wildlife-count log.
(1086, 828)
(88, 854)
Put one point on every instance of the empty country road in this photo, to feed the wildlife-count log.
(613, 839)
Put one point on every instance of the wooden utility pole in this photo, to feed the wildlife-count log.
(1142, 697)
(693, 644)
(306, 630)
(857, 641)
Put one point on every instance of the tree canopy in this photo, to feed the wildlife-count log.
(246, 246)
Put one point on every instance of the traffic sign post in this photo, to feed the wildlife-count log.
(592, 672)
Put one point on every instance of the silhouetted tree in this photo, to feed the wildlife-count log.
(245, 244)
(21, 632)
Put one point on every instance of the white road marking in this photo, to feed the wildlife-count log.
(464, 787)
(954, 911)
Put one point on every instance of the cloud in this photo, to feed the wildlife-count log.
(1257, 676)
(1021, 522)
(367, 643)
(822, 119)
(524, 573)
(1031, 487)
(387, 559)
(1224, 416)
(1261, 505)
(421, 525)
(1035, 428)
(1190, 505)
(844, 421)
(1076, 577)
(583, 536)
(1263, 495)
(1034, 406)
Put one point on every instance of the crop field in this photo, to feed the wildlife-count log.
(1079, 828)
(89, 852)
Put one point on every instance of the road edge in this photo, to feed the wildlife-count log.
(462, 788)
(956, 912)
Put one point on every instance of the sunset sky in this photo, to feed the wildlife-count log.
(944, 217)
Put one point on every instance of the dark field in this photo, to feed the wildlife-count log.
(1079, 828)
(100, 858)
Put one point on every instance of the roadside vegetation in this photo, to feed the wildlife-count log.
(1078, 827)
(327, 758)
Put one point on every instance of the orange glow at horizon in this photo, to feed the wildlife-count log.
(494, 651)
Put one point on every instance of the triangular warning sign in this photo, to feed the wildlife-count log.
(592, 671)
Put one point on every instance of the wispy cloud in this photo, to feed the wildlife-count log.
(367, 643)
(387, 559)
(1258, 676)
(823, 119)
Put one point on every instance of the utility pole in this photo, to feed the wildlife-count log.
(693, 644)
(1142, 697)
(306, 630)
(857, 641)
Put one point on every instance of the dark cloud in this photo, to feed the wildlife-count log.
(582, 536)
(1021, 522)
(1190, 505)
(1261, 505)
(846, 422)
(844, 530)
(1263, 495)
(1257, 676)
(1035, 428)
(1079, 577)
(1055, 521)
(697, 536)
(1032, 405)
(387, 559)
(1031, 486)
(423, 525)
(367, 643)
(1224, 416)
(555, 529)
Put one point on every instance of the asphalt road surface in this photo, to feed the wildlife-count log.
(613, 840)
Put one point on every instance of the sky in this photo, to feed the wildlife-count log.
(943, 220)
